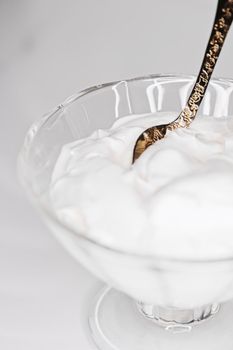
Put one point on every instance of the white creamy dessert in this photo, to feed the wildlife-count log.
(175, 201)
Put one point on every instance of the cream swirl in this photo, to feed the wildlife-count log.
(175, 201)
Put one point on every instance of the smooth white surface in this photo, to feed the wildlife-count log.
(94, 184)
(49, 50)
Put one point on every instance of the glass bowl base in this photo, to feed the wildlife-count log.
(117, 322)
(177, 320)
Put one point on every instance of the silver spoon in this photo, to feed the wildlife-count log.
(221, 26)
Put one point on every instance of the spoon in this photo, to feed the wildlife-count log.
(222, 23)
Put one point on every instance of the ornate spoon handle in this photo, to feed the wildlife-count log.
(222, 23)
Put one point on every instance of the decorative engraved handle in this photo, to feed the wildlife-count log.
(222, 23)
(220, 29)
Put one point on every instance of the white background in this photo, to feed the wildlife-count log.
(50, 49)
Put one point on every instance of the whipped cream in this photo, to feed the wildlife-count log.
(175, 201)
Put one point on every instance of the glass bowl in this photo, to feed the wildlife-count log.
(146, 291)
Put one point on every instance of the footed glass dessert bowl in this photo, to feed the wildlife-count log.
(151, 297)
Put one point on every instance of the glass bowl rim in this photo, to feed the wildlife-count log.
(38, 124)
(69, 100)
